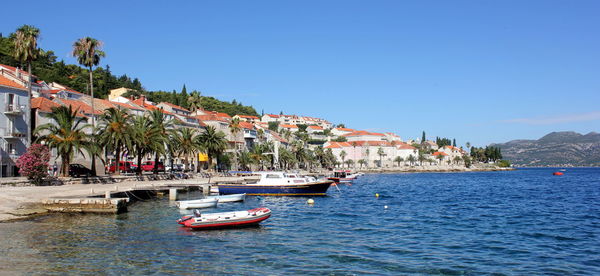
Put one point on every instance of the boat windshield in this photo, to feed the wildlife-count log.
(273, 176)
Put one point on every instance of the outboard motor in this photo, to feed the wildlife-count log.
(197, 213)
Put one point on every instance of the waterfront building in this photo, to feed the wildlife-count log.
(14, 124)
(340, 131)
(361, 135)
(247, 118)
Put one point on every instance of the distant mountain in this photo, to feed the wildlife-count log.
(566, 148)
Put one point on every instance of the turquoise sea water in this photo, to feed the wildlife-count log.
(521, 222)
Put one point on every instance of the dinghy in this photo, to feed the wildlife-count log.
(198, 203)
(225, 220)
(229, 198)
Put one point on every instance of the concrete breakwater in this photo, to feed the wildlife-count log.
(19, 202)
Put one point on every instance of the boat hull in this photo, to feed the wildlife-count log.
(255, 216)
(308, 189)
(194, 204)
(229, 198)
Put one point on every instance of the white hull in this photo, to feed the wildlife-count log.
(229, 198)
(199, 203)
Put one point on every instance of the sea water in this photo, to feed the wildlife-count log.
(518, 222)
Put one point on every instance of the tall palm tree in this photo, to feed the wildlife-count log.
(411, 159)
(186, 143)
(66, 134)
(244, 159)
(145, 139)
(115, 133)
(213, 142)
(398, 159)
(194, 101)
(381, 153)
(164, 129)
(349, 162)
(88, 53)
(362, 162)
(343, 156)
(26, 51)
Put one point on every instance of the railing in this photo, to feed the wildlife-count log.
(11, 133)
(14, 109)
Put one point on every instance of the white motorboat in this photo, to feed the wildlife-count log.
(198, 203)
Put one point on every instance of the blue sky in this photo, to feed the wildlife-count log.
(478, 71)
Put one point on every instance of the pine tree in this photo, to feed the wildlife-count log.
(423, 137)
(174, 98)
(454, 142)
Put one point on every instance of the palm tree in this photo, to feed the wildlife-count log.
(244, 159)
(468, 145)
(362, 162)
(88, 53)
(115, 133)
(186, 143)
(398, 159)
(343, 156)
(26, 51)
(381, 153)
(145, 139)
(349, 162)
(66, 134)
(212, 142)
(164, 128)
(421, 158)
(457, 159)
(411, 159)
(194, 101)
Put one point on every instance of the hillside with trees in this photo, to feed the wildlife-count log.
(48, 68)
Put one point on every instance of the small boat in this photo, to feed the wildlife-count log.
(225, 220)
(229, 198)
(562, 170)
(557, 173)
(343, 177)
(198, 203)
(278, 184)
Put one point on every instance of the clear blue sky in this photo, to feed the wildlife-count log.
(479, 71)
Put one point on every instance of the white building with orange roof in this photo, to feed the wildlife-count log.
(14, 124)
(247, 118)
(339, 131)
(361, 135)
(292, 128)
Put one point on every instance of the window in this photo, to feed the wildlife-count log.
(273, 176)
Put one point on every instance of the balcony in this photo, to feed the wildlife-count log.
(11, 133)
(14, 109)
(249, 134)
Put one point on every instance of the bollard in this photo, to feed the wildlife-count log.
(173, 194)
(107, 194)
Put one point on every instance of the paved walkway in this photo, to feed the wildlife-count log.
(12, 199)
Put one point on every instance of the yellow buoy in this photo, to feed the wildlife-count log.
(376, 195)
(310, 201)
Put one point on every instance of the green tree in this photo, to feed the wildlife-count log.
(26, 51)
(115, 133)
(194, 101)
(213, 142)
(66, 135)
(187, 144)
(164, 129)
(274, 126)
(349, 162)
(381, 154)
(145, 139)
(343, 156)
(362, 162)
(88, 53)
(398, 160)
(423, 137)
(411, 159)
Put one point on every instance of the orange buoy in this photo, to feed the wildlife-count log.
(557, 173)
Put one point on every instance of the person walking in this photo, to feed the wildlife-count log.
(54, 169)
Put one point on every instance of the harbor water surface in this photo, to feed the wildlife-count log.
(519, 222)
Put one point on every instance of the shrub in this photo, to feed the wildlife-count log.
(503, 163)
(34, 163)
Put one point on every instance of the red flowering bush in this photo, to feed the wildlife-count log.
(34, 163)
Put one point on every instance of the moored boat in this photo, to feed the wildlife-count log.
(198, 203)
(278, 184)
(229, 198)
(226, 219)
(343, 176)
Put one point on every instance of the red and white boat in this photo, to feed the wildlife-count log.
(225, 220)
(344, 176)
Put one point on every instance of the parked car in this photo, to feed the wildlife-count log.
(175, 168)
(124, 166)
(148, 166)
(78, 170)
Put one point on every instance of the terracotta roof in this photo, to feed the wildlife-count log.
(211, 117)
(288, 126)
(174, 106)
(316, 127)
(363, 133)
(277, 136)
(82, 106)
(248, 117)
(128, 106)
(344, 129)
(439, 153)
(273, 115)
(7, 82)
(43, 104)
(246, 125)
(333, 145)
(400, 145)
(371, 143)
